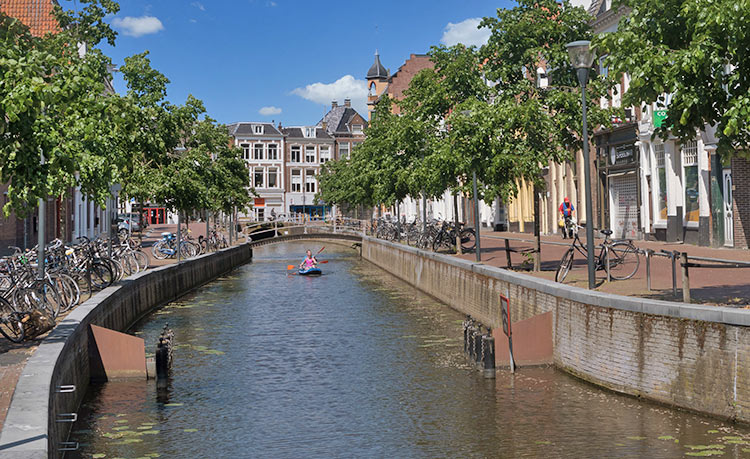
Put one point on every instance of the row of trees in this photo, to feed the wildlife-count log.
(61, 127)
(477, 111)
(481, 110)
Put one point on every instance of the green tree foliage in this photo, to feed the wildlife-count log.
(695, 51)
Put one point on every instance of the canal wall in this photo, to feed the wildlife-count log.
(689, 356)
(38, 418)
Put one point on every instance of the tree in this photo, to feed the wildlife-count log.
(690, 57)
(55, 115)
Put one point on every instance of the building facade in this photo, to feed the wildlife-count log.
(263, 147)
(307, 148)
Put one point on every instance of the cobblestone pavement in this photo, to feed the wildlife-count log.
(725, 286)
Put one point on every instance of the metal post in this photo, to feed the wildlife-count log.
(41, 228)
(208, 230)
(649, 252)
(606, 255)
(583, 75)
(685, 278)
(507, 253)
(674, 256)
(179, 223)
(231, 215)
(424, 212)
(476, 219)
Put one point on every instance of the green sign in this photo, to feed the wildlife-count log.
(659, 117)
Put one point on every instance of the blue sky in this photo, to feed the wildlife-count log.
(291, 57)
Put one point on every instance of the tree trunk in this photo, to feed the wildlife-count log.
(455, 222)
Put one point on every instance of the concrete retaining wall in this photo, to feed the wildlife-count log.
(31, 428)
(695, 357)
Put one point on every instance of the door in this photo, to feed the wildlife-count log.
(728, 211)
(624, 205)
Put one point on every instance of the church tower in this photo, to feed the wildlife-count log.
(377, 83)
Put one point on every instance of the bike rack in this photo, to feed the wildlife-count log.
(65, 389)
(67, 417)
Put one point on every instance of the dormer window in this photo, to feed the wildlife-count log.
(356, 129)
(310, 132)
(258, 129)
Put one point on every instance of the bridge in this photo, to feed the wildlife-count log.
(296, 233)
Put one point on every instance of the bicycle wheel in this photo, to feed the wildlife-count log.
(565, 264)
(468, 239)
(67, 293)
(160, 250)
(623, 260)
(39, 295)
(101, 275)
(142, 259)
(11, 322)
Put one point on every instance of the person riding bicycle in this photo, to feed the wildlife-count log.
(568, 212)
(309, 262)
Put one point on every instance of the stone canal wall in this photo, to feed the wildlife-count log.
(36, 426)
(690, 356)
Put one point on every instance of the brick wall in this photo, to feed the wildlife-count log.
(683, 355)
(741, 181)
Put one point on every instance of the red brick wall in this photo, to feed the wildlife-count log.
(400, 81)
(741, 195)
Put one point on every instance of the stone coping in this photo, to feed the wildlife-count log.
(717, 314)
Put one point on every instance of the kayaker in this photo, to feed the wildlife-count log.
(309, 262)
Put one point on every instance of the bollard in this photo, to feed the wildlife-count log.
(649, 252)
(685, 278)
(488, 350)
(606, 255)
(478, 346)
(466, 324)
(470, 332)
(164, 357)
(507, 254)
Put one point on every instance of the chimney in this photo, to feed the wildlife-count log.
(324, 125)
(347, 102)
(334, 104)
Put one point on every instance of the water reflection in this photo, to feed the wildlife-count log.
(357, 364)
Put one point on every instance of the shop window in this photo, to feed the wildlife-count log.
(661, 192)
(690, 170)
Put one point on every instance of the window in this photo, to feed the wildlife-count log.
(325, 154)
(690, 168)
(296, 181)
(356, 129)
(273, 151)
(343, 150)
(245, 150)
(310, 154)
(258, 177)
(661, 193)
(273, 177)
(296, 154)
(258, 151)
(258, 129)
(310, 181)
(261, 214)
(310, 132)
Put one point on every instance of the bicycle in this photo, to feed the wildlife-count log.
(619, 257)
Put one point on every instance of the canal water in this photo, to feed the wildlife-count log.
(356, 363)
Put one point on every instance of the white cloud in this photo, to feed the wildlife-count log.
(193, 21)
(198, 5)
(271, 4)
(346, 87)
(268, 111)
(137, 27)
(465, 32)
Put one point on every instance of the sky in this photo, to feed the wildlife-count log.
(285, 60)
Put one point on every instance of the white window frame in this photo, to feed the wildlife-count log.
(310, 181)
(258, 129)
(344, 150)
(256, 150)
(262, 175)
(324, 153)
(246, 151)
(689, 156)
(309, 132)
(357, 128)
(272, 147)
(296, 175)
(295, 149)
(272, 171)
(659, 160)
(310, 148)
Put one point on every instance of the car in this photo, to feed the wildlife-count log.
(123, 224)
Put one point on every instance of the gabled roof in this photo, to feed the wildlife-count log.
(377, 70)
(246, 129)
(339, 118)
(35, 14)
(297, 133)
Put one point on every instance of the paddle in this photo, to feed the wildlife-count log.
(288, 267)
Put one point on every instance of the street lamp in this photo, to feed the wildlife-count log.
(581, 57)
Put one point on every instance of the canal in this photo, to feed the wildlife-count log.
(356, 363)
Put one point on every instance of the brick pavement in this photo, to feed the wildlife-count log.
(726, 286)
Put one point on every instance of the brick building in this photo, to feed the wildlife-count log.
(307, 149)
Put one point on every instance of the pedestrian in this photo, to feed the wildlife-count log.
(273, 214)
(567, 212)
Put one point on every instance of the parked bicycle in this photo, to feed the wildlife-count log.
(619, 257)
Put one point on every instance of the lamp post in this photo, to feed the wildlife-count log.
(581, 57)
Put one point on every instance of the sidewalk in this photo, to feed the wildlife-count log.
(13, 356)
(725, 286)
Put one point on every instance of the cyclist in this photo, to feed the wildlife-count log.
(568, 212)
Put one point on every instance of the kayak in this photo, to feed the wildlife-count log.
(310, 272)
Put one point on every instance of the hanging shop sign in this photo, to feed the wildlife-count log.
(659, 117)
